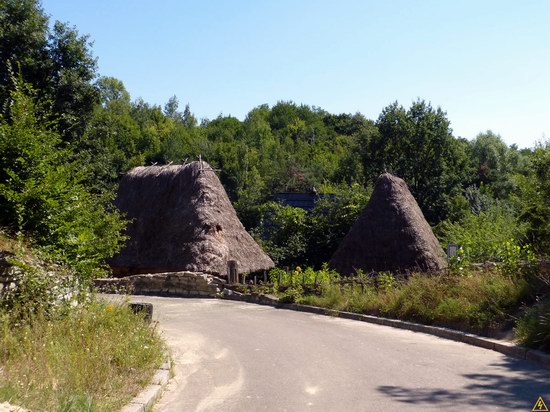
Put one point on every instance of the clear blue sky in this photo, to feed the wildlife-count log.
(485, 62)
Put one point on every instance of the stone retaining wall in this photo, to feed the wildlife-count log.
(163, 284)
(7, 271)
(7, 283)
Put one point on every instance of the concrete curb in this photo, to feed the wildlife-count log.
(151, 393)
(506, 348)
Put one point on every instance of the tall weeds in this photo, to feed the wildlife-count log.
(92, 358)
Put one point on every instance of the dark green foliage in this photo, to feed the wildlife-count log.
(109, 145)
(332, 219)
(284, 148)
(73, 93)
(23, 44)
(292, 236)
(494, 164)
(282, 233)
(57, 63)
(42, 194)
(534, 199)
(417, 145)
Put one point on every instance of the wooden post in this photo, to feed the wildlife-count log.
(265, 276)
(232, 271)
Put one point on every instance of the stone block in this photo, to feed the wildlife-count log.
(145, 309)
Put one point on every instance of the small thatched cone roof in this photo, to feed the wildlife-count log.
(390, 235)
(182, 219)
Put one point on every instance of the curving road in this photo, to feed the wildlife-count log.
(242, 357)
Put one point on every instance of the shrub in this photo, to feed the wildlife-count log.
(291, 235)
(42, 191)
(533, 198)
(533, 329)
(332, 219)
(299, 276)
(482, 236)
(282, 232)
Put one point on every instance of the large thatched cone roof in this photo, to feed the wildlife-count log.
(182, 220)
(390, 235)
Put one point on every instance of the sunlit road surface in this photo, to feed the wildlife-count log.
(243, 357)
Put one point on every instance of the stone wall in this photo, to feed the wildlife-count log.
(163, 284)
(7, 280)
(6, 284)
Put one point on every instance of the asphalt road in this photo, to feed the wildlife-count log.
(243, 357)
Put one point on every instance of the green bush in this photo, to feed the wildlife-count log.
(282, 232)
(533, 199)
(533, 329)
(42, 191)
(332, 218)
(482, 236)
(291, 235)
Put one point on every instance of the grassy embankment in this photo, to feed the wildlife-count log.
(483, 300)
(73, 356)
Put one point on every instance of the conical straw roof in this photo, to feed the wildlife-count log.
(390, 235)
(182, 219)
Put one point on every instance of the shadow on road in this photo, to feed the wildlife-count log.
(484, 389)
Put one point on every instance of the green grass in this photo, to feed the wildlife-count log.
(480, 300)
(90, 358)
(533, 329)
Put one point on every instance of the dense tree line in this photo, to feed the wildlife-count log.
(283, 148)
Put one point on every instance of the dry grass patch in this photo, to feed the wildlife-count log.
(90, 358)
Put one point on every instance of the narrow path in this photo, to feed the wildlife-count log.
(242, 357)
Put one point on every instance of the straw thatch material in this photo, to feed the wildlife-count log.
(182, 220)
(390, 235)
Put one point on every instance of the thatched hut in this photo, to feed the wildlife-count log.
(390, 235)
(182, 219)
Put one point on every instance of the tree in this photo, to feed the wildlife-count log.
(58, 64)
(282, 233)
(489, 157)
(347, 124)
(171, 109)
(73, 91)
(42, 191)
(331, 220)
(417, 145)
(153, 126)
(23, 44)
(188, 118)
(112, 90)
(534, 199)
(110, 143)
